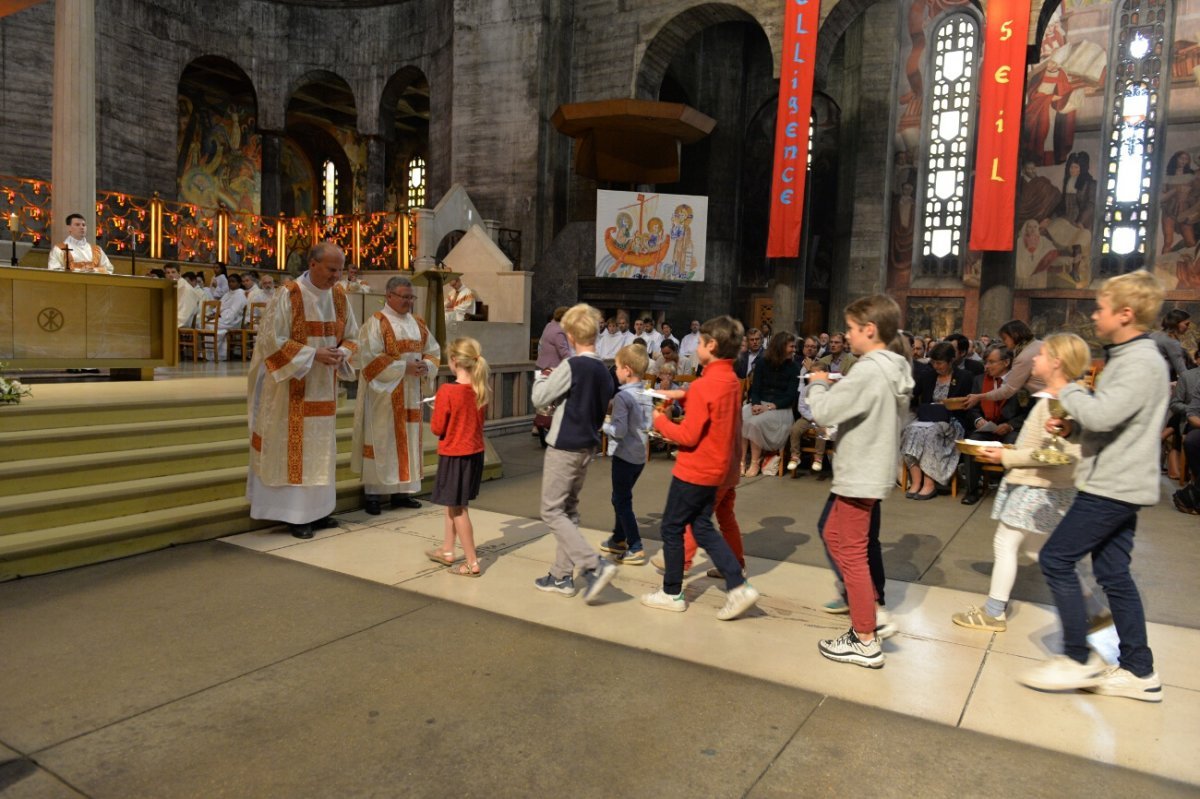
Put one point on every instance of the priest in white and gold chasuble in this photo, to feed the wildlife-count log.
(397, 357)
(306, 340)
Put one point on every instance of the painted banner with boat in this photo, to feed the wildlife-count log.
(651, 236)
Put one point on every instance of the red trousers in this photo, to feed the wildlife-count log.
(726, 522)
(846, 532)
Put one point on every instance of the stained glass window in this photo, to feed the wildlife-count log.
(329, 188)
(1132, 123)
(416, 182)
(948, 158)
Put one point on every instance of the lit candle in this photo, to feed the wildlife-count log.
(13, 222)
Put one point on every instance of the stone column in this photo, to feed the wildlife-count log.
(376, 174)
(270, 187)
(73, 158)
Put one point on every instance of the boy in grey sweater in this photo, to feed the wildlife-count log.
(1118, 429)
(867, 406)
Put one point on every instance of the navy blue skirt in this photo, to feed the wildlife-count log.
(457, 480)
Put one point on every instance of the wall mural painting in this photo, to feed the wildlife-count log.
(919, 21)
(1177, 248)
(934, 316)
(1053, 315)
(1060, 149)
(220, 155)
(297, 180)
(651, 236)
(355, 147)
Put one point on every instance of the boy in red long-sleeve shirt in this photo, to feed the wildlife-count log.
(708, 449)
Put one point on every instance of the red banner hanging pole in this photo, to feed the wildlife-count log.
(1001, 97)
(801, 18)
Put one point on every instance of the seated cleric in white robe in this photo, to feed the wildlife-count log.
(75, 254)
(305, 341)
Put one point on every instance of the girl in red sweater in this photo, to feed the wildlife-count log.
(458, 412)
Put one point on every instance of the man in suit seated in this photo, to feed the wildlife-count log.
(993, 421)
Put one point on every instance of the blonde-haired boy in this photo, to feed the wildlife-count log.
(1117, 426)
(582, 386)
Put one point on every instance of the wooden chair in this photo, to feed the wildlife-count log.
(205, 329)
(808, 446)
(245, 336)
(187, 340)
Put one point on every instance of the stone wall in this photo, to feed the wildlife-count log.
(26, 87)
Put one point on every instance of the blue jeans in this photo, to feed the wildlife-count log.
(1103, 528)
(874, 551)
(624, 476)
(688, 503)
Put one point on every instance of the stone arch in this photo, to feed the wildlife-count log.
(670, 39)
(404, 119)
(832, 29)
(322, 119)
(319, 77)
(218, 152)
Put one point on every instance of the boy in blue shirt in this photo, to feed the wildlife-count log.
(632, 414)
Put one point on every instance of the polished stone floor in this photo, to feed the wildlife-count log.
(349, 665)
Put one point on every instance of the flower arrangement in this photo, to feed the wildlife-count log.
(12, 389)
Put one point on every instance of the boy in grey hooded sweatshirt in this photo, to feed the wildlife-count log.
(867, 406)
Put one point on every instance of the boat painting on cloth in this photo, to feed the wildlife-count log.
(652, 236)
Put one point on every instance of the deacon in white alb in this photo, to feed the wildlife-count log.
(305, 342)
(187, 301)
(396, 352)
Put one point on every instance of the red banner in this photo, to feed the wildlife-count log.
(791, 127)
(998, 136)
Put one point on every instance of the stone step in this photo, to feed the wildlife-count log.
(32, 416)
(80, 543)
(56, 507)
(63, 441)
(93, 468)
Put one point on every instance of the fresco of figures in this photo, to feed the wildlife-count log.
(1059, 197)
(650, 236)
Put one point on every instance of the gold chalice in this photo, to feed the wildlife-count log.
(1053, 455)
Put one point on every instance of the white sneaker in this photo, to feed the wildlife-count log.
(738, 601)
(884, 626)
(847, 648)
(661, 600)
(1061, 673)
(597, 579)
(817, 465)
(1116, 681)
(793, 464)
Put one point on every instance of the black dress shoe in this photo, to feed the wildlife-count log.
(371, 506)
(327, 523)
(971, 497)
(304, 531)
(404, 501)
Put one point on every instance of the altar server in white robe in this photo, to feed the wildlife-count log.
(233, 311)
(460, 301)
(187, 299)
(396, 354)
(305, 344)
(74, 254)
